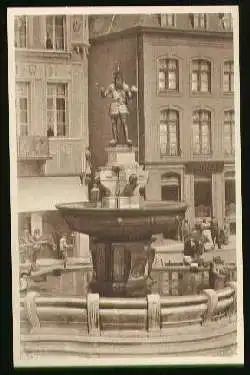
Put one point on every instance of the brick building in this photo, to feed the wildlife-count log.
(183, 118)
(51, 56)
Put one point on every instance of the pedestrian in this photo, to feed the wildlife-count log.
(185, 229)
(36, 239)
(214, 230)
(206, 234)
(64, 249)
(226, 230)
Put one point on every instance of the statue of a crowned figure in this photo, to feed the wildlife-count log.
(120, 93)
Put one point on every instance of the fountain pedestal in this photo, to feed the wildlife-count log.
(121, 268)
(121, 228)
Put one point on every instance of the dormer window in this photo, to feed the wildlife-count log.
(226, 21)
(198, 20)
(167, 20)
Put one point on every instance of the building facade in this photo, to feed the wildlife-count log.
(51, 56)
(183, 118)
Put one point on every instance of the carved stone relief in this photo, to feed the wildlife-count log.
(77, 29)
(24, 70)
(59, 71)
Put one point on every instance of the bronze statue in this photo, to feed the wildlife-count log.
(120, 93)
(132, 188)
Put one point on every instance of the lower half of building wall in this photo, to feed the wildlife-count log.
(37, 198)
(206, 194)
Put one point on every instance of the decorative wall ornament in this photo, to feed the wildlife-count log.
(27, 71)
(59, 71)
(77, 25)
(80, 50)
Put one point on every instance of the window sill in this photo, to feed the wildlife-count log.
(228, 93)
(45, 53)
(203, 156)
(166, 156)
(169, 93)
(202, 94)
(56, 139)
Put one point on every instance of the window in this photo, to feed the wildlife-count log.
(228, 76)
(229, 133)
(20, 31)
(167, 20)
(226, 21)
(55, 32)
(57, 124)
(169, 133)
(168, 75)
(22, 108)
(201, 76)
(170, 187)
(198, 21)
(201, 132)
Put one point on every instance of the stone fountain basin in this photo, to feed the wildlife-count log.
(122, 224)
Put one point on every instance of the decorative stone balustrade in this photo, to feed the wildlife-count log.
(152, 314)
(185, 325)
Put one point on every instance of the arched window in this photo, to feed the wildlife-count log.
(201, 76)
(201, 132)
(169, 133)
(170, 187)
(228, 76)
(229, 133)
(168, 75)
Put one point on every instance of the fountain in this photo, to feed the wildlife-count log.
(122, 314)
(120, 222)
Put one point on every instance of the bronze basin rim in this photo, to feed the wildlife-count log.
(147, 209)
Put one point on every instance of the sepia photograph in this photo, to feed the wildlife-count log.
(125, 164)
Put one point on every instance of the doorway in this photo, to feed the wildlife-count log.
(170, 187)
(203, 196)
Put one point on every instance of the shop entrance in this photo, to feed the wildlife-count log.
(170, 187)
(203, 195)
(230, 199)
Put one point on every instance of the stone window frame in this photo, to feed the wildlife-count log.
(200, 153)
(54, 109)
(232, 132)
(201, 60)
(178, 149)
(27, 83)
(65, 31)
(231, 76)
(169, 91)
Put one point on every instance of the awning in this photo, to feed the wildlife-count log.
(43, 193)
